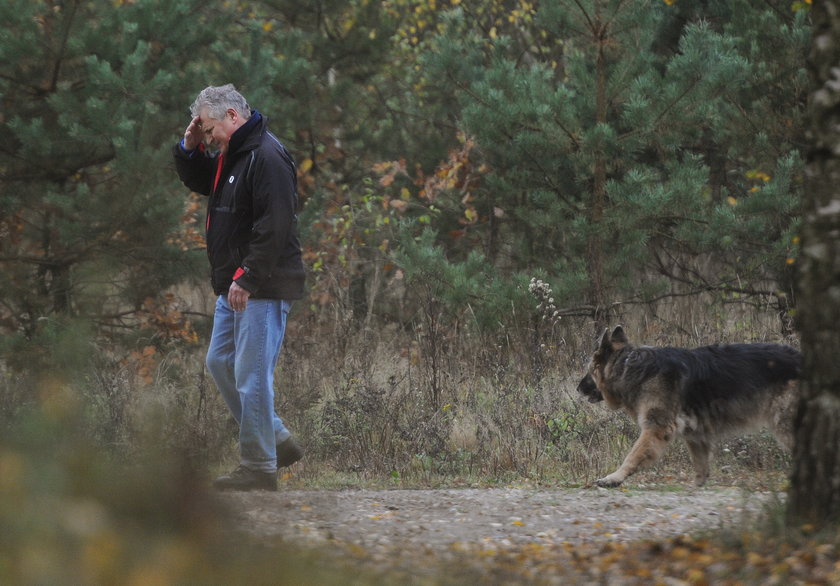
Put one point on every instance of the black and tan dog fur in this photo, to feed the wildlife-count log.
(703, 394)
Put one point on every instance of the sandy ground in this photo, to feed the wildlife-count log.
(439, 521)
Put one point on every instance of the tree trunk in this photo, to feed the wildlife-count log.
(595, 244)
(814, 494)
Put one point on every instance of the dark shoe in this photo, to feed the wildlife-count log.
(246, 479)
(288, 452)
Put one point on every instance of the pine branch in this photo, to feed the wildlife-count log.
(586, 16)
(63, 47)
(700, 284)
(664, 112)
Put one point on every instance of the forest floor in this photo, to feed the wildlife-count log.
(639, 535)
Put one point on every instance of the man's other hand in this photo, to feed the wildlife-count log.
(238, 297)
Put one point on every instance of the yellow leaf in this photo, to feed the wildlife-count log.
(731, 201)
(306, 165)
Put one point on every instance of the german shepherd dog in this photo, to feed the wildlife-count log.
(703, 394)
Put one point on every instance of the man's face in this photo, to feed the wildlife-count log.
(217, 133)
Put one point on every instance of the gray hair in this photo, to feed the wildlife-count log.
(218, 99)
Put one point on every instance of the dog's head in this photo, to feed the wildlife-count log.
(593, 382)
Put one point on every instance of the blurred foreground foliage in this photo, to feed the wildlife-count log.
(751, 557)
(76, 512)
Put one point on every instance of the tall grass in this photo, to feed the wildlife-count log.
(504, 407)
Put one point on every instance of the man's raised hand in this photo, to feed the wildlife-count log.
(192, 135)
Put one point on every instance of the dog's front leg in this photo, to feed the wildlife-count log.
(647, 450)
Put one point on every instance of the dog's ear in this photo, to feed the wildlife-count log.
(605, 347)
(618, 340)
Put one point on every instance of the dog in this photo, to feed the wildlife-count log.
(702, 394)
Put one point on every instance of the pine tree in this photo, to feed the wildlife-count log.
(94, 96)
(625, 140)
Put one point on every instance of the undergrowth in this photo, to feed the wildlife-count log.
(505, 408)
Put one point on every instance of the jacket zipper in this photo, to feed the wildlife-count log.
(215, 185)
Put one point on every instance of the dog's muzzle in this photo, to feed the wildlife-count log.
(589, 389)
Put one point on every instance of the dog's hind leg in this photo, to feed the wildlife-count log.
(647, 450)
(700, 451)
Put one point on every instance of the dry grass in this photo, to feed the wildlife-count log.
(503, 407)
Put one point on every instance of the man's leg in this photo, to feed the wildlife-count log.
(221, 355)
(221, 363)
(288, 451)
(281, 434)
(258, 333)
(221, 358)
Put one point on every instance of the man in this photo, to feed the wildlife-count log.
(256, 269)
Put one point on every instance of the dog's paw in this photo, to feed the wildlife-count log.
(609, 481)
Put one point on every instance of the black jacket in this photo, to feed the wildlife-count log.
(251, 214)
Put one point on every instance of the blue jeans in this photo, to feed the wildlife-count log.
(243, 352)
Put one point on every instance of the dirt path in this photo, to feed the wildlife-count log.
(441, 521)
